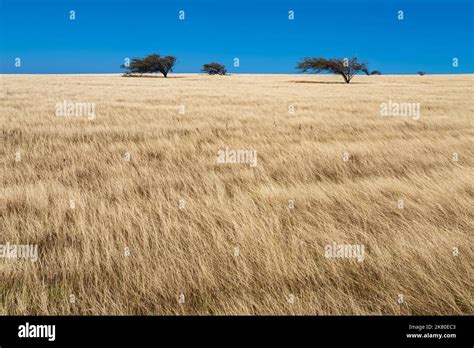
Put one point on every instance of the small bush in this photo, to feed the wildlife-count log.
(214, 69)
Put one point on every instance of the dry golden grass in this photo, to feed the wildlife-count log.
(135, 204)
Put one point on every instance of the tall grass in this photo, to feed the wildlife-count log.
(172, 221)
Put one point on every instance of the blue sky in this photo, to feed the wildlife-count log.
(258, 32)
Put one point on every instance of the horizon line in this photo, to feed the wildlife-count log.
(236, 73)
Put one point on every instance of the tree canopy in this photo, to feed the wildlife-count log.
(153, 63)
(346, 67)
(214, 69)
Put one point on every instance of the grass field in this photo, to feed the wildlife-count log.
(158, 226)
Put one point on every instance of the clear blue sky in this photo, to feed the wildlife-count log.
(104, 32)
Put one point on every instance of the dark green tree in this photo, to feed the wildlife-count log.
(152, 63)
(136, 66)
(214, 69)
(346, 67)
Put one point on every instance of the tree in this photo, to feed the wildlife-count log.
(375, 72)
(214, 69)
(346, 67)
(152, 63)
(421, 73)
(136, 66)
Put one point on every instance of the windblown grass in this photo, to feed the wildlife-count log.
(136, 204)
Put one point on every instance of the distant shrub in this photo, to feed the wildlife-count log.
(214, 69)
(152, 63)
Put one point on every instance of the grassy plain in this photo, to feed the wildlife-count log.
(173, 221)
